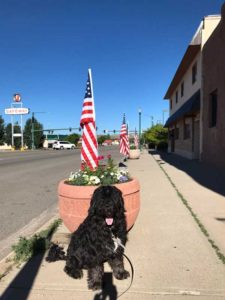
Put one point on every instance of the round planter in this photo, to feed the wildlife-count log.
(74, 202)
(134, 154)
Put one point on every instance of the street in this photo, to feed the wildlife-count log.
(28, 185)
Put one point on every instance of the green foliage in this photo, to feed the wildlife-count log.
(8, 135)
(156, 134)
(102, 138)
(27, 248)
(2, 131)
(73, 138)
(132, 147)
(38, 135)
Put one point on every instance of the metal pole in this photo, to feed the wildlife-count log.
(21, 128)
(139, 112)
(32, 131)
(12, 130)
(164, 110)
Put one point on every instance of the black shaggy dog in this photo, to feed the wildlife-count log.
(100, 238)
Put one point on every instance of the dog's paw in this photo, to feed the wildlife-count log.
(94, 286)
(74, 273)
(121, 275)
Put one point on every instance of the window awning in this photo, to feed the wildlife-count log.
(190, 106)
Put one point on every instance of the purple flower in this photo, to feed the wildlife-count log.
(123, 178)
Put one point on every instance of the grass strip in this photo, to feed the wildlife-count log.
(27, 248)
(220, 255)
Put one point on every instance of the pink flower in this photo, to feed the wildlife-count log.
(101, 157)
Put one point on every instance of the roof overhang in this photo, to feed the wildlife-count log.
(190, 107)
(187, 59)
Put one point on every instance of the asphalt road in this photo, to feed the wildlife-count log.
(28, 189)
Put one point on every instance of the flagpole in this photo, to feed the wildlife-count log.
(89, 149)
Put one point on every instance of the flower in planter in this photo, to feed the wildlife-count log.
(106, 173)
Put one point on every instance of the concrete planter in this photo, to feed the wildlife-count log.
(134, 154)
(74, 202)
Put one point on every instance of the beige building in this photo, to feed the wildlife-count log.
(213, 109)
(185, 96)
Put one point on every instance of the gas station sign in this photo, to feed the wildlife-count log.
(17, 111)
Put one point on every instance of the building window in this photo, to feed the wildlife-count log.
(176, 133)
(194, 73)
(182, 89)
(213, 109)
(171, 104)
(176, 97)
(187, 131)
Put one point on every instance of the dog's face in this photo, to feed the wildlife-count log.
(107, 203)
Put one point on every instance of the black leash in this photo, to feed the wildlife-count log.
(132, 275)
(56, 253)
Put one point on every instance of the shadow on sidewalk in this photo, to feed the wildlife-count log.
(206, 175)
(109, 290)
(21, 285)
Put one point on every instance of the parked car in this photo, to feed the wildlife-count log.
(60, 145)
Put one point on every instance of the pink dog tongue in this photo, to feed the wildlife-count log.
(109, 221)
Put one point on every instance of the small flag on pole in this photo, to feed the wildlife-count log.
(124, 140)
(89, 149)
(136, 142)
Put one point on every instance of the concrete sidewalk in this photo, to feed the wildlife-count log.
(203, 186)
(172, 259)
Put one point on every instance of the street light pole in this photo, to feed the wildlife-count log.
(164, 110)
(152, 123)
(32, 131)
(139, 112)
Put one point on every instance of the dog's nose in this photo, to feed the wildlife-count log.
(109, 213)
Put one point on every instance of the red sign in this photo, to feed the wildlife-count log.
(17, 97)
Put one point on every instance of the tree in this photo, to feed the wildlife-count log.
(73, 138)
(102, 138)
(156, 135)
(2, 131)
(38, 135)
(8, 135)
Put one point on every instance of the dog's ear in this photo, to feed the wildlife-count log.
(93, 201)
(119, 200)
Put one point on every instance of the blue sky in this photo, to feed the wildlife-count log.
(132, 46)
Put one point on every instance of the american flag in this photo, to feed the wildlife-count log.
(124, 140)
(89, 149)
(136, 142)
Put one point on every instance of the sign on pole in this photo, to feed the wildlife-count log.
(17, 97)
(17, 111)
